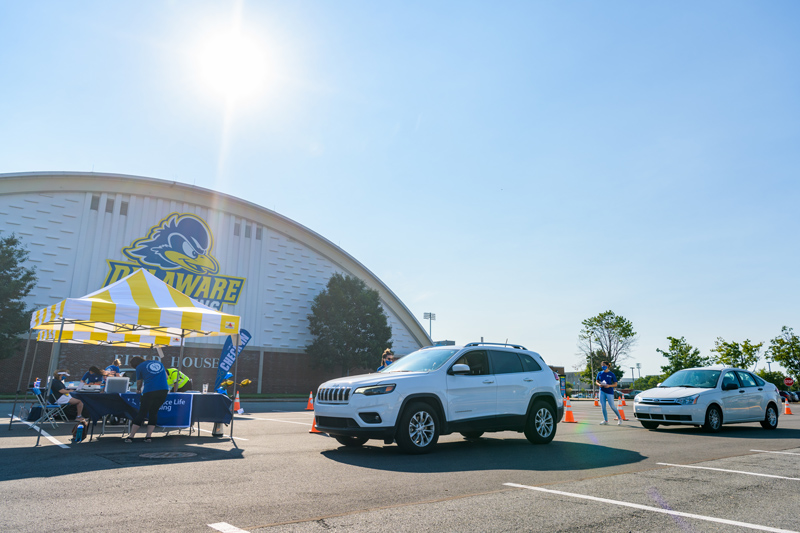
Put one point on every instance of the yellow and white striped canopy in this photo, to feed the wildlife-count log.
(141, 307)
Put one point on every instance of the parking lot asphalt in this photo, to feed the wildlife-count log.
(274, 476)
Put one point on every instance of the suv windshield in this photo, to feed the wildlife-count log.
(421, 361)
(701, 379)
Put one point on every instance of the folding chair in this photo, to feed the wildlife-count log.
(49, 410)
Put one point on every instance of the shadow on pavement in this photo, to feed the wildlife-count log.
(749, 432)
(486, 454)
(110, 453)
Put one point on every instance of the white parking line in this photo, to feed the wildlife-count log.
(784, 453)
(655, 509)
(238, 438)
(279, 420)
(226, 528)
(731, 471)
(44, 433)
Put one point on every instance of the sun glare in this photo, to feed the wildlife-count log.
(233, 65)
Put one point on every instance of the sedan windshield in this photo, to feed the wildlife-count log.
(421, 361)
(701, 379)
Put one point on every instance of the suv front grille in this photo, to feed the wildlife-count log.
(334, 394)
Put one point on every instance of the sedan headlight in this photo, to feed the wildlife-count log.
(637, 398)
(688, 400)
(372, 390)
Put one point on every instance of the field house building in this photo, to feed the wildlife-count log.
(87, 230)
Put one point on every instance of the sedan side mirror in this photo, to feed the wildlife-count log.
(460, 369)
(729, 386)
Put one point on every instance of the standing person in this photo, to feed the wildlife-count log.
(151, 382)
(386, 359)
(606, 380)
(59, 393)
(184, 381)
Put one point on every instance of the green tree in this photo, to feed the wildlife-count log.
(785, 349)
(741, 355)
(680, 355)
(608, 337)
(647, 382)
(774, 377)
(16, 282)
(349, 326)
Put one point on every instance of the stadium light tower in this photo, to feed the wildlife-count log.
(430, 317)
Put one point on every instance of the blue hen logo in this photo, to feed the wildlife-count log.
(180, 241)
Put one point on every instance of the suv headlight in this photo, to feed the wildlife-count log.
(688, 400)
(372, 390)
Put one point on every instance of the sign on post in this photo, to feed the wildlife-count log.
(788, 382)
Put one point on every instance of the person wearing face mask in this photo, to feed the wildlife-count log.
(606, 380)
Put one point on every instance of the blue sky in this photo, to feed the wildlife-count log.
(513, 167)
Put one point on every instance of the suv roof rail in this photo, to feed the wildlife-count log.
(517, 346)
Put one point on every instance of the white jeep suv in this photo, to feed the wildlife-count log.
(440, 390)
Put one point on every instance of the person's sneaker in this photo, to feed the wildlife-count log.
(603, 423)
(619, 422)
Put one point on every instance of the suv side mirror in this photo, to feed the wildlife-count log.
(460, 369)
(729, 386)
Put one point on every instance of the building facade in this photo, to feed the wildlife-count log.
(84, 231)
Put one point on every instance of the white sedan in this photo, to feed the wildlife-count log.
(709, 397)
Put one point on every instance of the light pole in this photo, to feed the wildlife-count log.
(632, 377)
(639, 368)
(430, 317)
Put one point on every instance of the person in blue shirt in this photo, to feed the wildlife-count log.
(93, 377)
(151, 383)
(113, 369)
(606, 380)
(386, 359)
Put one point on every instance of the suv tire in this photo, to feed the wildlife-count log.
(418, 429)
(541, 425)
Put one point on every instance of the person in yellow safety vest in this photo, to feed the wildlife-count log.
(184, 382)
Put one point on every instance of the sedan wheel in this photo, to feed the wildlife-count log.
(713, 419)
(770, 418)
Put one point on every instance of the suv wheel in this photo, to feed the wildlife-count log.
(541, 426)
(770, 418)
(418, 429)
(351, 442)
(713, 419)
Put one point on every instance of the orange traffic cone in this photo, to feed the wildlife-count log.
(236, 405)
(314, 427)
(596, 402)
(622, 401)
(568, 413)
(310, 406)
(786, 409)
(621, 411)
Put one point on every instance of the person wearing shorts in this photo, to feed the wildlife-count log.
(151, 382)
(59, 394)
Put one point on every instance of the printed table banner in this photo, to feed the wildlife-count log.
(176, 411)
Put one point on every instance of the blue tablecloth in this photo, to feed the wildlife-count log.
(203, 407)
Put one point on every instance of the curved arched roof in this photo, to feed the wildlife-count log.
(38, 182)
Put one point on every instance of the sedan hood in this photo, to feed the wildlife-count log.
(671, 392)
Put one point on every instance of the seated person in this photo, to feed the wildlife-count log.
(94, 376)
(60, 395)
(184, 382)
(113, 369)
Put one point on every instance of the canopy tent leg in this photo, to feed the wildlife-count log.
(19, 383)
